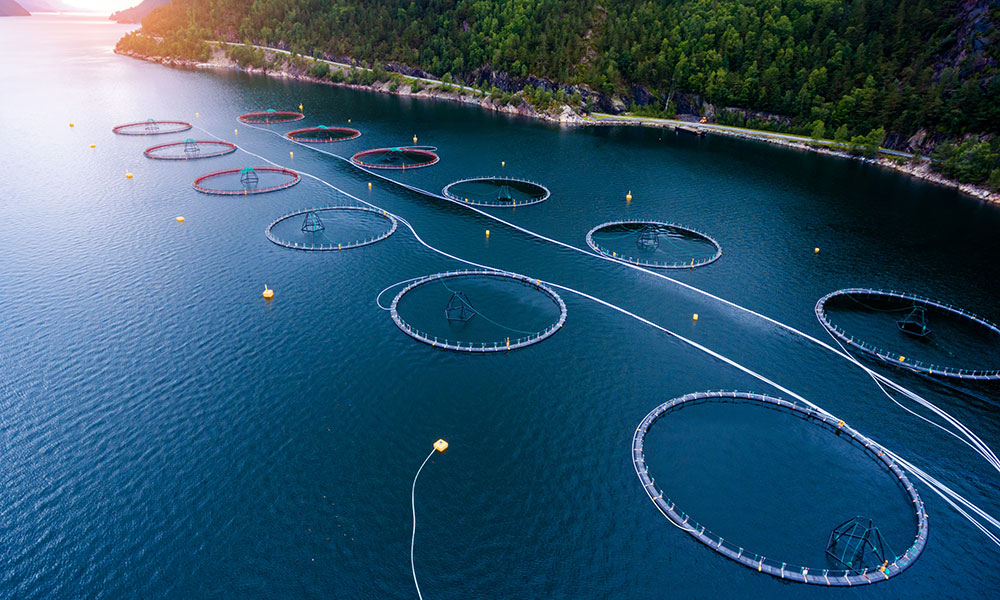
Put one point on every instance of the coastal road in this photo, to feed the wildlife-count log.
(603, 117)
(655, 122)
(464, 88)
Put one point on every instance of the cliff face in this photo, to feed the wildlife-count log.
(10, 8)
(137, 13)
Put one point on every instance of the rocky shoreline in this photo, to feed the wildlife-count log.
(565, 115)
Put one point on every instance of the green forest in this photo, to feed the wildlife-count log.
(844, 68)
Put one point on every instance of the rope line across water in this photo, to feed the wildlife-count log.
(952, 498)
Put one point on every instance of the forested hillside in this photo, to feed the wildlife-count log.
(926, 67)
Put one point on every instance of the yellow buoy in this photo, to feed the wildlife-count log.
(414, 138)
(369, 185)
(694, 317)
(348, 120)
(487, 233)
(180, 219)
(628, 196)
(196, 114)
(503, 163)
(300, 107)
(441, 445)
(902, 358)
(93, 145)
(291, 155)
(268, 292)
(236, 132)
(72, 125)
(128, 175)
(816, 250)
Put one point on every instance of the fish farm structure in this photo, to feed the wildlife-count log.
(647, 236)
(480, 347)
(310, 225)
(211, 183)
(496, 192)
(895, 358)
(269, 116)
(190, 149)
(151, 127)
(855, 575)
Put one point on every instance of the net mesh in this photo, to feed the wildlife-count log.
(654, 244)
(189, 149)
(151, 127)
(395, 158)
(270, 115)
(323, 134)
(496, 191)
(331, 228)
(245, 181)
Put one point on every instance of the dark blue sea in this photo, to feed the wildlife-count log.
(165, 432)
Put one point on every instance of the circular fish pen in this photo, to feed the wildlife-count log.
(270, 116)
(322, 134)
(151, 127)
(478, 311)
(331, 228)
(190, 149)
(496, 192)
(847, 533)
(246, 181)
(654, 244)
(404, 157)
(923, 332)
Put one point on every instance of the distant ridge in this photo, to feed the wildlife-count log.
(37, 6)
(137, 13)
(10, 8)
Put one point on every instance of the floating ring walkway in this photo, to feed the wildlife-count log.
(293, 178)
(651, 264)
(269, 116)
(151, 127)
(458, 346)
(323, 134)
(894, 358)
(501, 182)
(827, 577)
(189, 150)
(333, 246)
(393, 158)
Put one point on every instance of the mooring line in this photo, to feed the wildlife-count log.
(936, 486)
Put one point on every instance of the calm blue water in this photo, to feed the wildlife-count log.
(168, 433)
